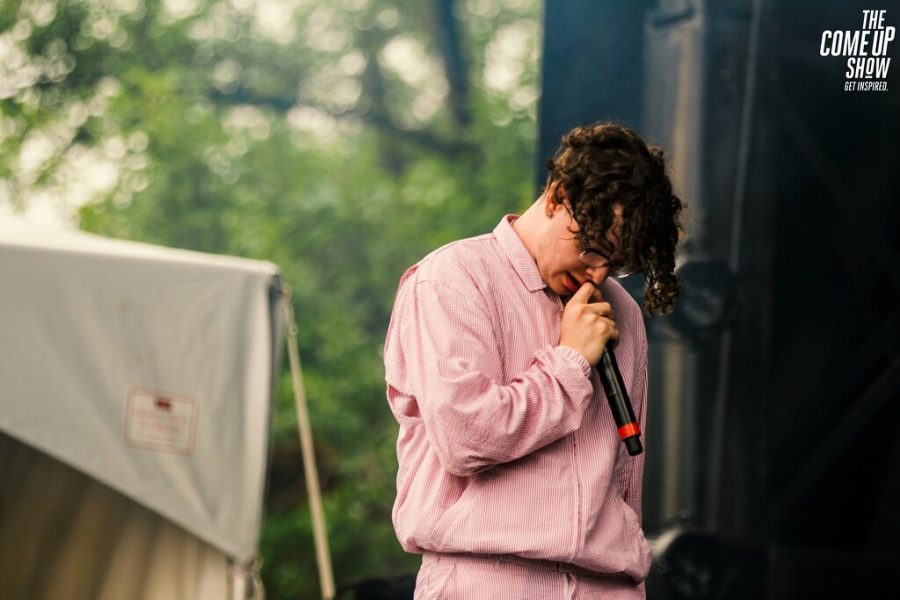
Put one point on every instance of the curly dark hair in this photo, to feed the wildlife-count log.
(603, 165)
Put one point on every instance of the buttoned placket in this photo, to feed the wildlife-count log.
(578, 507)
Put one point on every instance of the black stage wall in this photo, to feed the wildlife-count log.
(773, 466)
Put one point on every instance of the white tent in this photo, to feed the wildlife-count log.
(135, 390)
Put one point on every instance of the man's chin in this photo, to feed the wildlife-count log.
(563, 292)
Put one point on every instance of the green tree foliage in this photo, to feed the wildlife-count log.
(341, 140)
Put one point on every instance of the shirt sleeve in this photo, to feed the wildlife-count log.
(453, 366)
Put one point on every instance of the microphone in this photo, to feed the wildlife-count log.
(619, 404)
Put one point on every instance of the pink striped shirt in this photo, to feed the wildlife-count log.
(507, 445)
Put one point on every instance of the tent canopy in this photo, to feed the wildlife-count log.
(148, 369)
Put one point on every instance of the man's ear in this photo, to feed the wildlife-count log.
(554, 198)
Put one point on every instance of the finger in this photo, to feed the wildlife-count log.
(613, 339)
(604, 309)
(583, 295)
(596, 294)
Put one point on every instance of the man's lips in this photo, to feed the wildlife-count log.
(571, 283)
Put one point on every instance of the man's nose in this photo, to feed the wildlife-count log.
(597, 274)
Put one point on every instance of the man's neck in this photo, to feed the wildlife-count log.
(526, 226)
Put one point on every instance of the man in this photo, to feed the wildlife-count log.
(512, 481)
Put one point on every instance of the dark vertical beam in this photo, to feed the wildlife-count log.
(454, 61)
(592, 68)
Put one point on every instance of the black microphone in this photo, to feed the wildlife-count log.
(619, 404)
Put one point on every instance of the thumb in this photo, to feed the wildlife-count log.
(583, 295)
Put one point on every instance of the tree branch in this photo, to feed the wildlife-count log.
(374, 117)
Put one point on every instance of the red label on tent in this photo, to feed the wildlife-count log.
(160, 421)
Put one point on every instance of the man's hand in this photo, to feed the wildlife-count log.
(587, 326)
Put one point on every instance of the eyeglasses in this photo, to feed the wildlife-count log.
(595, 259)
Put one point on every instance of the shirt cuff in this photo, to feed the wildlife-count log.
(573, 357)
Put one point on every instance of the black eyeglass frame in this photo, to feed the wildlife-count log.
(616, 269)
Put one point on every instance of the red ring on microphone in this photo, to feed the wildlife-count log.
(628, 430)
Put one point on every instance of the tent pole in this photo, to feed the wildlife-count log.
(323, 557)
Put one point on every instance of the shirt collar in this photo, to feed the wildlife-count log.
(519, 257)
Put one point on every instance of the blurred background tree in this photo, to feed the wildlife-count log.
(339, 139)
